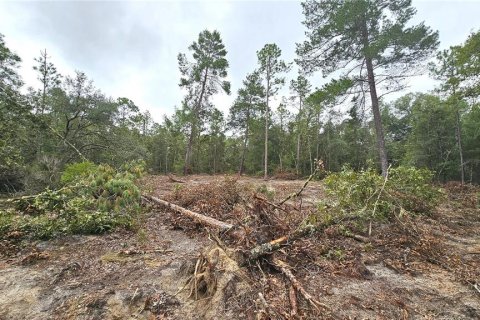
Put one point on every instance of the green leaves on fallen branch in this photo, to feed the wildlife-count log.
(94, 199)
(368, 195)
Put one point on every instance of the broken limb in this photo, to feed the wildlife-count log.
(268, 247)
(284, 268)
(208, 221)
(292, 296)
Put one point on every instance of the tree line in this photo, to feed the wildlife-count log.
(366, 48)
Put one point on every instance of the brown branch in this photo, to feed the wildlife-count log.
(268, 247)
(172, 179)
(292, 296)
(285, 269)
(208, 221)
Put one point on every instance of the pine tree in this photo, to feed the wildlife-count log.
(202, 79)
(301, 88)
(247, 106)
(372, 40)
(271, 66)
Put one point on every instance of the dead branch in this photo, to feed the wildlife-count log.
(318, 167)
(264, 303)
(172, 179)
(208, 221)
(268, 247)
(284, 268)
(292, 296)
(134, 251)
(258, 197)
(359, 238)
(69, 143)
(476, 287)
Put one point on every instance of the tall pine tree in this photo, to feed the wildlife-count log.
(372, 40)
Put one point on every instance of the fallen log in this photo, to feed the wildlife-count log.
(208, 221)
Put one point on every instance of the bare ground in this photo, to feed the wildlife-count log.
(141, 274)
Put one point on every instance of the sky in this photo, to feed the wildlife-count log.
(129, 49)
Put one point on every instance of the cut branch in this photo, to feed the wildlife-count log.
(292, 296)
(208, 221)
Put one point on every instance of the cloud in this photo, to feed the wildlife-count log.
(130, 48)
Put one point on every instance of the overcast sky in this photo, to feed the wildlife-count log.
(130, 49)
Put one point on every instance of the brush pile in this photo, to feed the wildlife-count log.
(282, 246)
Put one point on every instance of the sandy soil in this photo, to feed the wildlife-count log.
(140, 274)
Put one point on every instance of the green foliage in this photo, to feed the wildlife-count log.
(76, 171)
(367, 194)
(94, 199)
(340, 33)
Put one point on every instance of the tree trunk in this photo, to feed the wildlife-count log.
(377, 119)
(44, 81)
(215, 157)
(207, 221)
(244, 152)
(299, 137)
(318, 136)
(460, 149)
(265, 177)
(166, 160)
(188, 153)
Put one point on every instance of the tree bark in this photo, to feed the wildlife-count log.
(188, 153)
(44, 93)
(458, 133)
(299, 137)
(265, 176)
(208, 221)
(245, 140)
(377, 119)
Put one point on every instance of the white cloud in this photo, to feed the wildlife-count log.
(130, 48)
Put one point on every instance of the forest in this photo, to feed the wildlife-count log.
(70, 120)
(340, 179)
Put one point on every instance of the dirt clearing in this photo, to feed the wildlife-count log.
(173, 268)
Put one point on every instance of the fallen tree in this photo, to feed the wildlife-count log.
(208, 221)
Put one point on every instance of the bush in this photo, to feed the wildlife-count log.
(94, 199)
(366, 193)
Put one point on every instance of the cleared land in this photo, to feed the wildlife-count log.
(173, 268)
